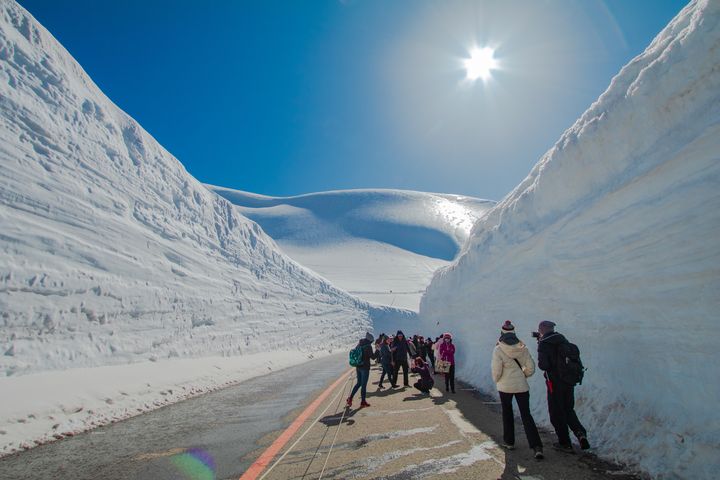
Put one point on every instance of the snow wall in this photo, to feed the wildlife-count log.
(615, 236)
(111, 253)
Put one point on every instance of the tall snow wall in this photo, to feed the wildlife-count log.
(615, 236)
(110, 252)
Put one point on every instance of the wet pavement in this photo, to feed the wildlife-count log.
(225, 430)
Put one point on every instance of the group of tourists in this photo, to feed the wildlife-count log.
(394, 353)
(511, 366)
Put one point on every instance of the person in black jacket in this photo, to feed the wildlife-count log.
(386, 360)
(560, 395)
(362, 371)
(400, 350)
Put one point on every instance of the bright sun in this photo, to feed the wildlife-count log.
(480, 63)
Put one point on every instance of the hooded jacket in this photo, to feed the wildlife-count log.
(507, 374)
(367, 353)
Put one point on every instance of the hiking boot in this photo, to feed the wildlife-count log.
(380, 387)
(348, 402)
(364, 404)
(584, 444)
(563, 448)
(538, 453)
(508, 446)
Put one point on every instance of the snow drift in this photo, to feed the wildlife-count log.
(615, 236)
(112, 254)
(382, 245)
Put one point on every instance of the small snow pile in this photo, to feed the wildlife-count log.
(112, 254)
(614, 235)
(381, 245)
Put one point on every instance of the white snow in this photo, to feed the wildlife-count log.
(381, 245)
(112, 254)
(615, 236)
(50, 405)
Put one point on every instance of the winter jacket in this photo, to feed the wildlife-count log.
(446, 350)
(421, 350)
(426, 380)
(548, 353)
(385, 355)
(506, 373)
(400, 349)
(367, 353)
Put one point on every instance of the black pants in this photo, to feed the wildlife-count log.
(404, 365)
(561, 405)
(422, 386)
(387, 369)
(523, 402)
(450, 379)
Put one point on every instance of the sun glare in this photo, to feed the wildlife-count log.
(480, 63)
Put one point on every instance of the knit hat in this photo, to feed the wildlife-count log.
(447, 335)
(547, 325)
(369, 337)
(399, 332)
(508, 327)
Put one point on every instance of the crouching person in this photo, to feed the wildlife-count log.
(426, 382)
(511, 365)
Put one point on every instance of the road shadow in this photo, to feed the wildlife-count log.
(344, 416)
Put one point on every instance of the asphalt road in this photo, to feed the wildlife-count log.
(225, 429)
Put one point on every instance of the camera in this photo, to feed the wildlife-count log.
(536, 334)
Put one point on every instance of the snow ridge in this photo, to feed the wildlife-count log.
(613, 235)
(382, 245)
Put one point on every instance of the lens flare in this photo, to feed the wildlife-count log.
(195, 464)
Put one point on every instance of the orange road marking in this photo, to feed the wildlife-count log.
(267, 456)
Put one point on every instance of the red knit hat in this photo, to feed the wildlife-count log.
(508, 327)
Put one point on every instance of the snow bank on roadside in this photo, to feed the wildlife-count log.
(614, 235)
(51, 405)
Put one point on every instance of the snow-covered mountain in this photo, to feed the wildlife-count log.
(381, 245)
(615, 236)
(112, 254)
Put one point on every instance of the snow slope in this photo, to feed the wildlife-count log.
(381, 245)
(112, 254)
(615, 236)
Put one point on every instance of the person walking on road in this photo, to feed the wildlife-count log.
(426, 382)
(401, 349)
(362, 371)
(556, 359)
(511, 366)
(446, 350)
(386, 360)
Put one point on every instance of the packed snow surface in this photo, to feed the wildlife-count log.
(615, 236)
(381, 245)
(111, 254)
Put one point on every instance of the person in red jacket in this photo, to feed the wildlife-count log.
(447, 353)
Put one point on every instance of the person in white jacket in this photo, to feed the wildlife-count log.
(511, 365)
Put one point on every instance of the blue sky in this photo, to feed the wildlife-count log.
(283, 98)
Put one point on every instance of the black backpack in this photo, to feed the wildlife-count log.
(570, 368)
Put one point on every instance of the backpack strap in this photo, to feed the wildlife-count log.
(518, 364)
